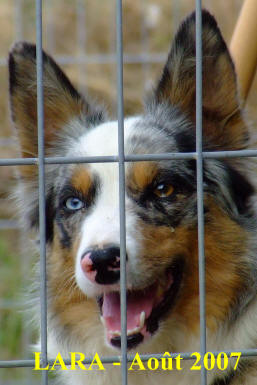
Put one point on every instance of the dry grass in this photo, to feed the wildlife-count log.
(148, 27)
(60, 38)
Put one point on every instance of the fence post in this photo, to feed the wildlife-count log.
(243, 46)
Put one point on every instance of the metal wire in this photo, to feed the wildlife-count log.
(131, 158)
(200, 195)
(41, 183)
(41, 161)
(105, 59)
(8, 224)
(81, 39)
(123, 286)
(18, 19)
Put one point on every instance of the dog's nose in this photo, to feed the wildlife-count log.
(102, 266)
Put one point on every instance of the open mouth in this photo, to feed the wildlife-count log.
(145, 308)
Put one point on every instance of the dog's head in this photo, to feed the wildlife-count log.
(82, 200)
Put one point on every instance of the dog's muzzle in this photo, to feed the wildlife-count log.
(145, 307)
(102, 265)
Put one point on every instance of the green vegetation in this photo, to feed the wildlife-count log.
(10, 317)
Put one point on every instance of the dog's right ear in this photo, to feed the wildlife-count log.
(223, 122)
(62, 102)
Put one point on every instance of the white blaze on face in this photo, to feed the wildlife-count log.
(101, 226)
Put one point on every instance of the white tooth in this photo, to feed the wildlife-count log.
(116, 333)
(133, 331)
(102, 320)
(142, 320)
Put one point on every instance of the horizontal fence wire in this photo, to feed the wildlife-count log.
(154, 58)
(7, 142)
(130, 158)
(9, 224)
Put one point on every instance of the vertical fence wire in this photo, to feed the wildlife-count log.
(175, 13)
(26, 333)
(112, 49)
(18, 19)
(50, 26)
(123, 290)
(41, 184)
(81, 41)
(145, 46)
(200, 195)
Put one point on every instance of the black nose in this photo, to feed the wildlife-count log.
(105, 264)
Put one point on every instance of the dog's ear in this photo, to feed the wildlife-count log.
(61, 101)
(62, 104)
(222, 121)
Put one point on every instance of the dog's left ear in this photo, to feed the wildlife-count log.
(223, 126)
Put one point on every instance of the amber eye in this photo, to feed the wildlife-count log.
(163, 190)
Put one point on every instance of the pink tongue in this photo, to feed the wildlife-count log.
(136, 303)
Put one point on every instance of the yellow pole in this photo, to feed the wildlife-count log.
(243, 46)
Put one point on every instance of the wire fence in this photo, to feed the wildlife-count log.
(119, 58)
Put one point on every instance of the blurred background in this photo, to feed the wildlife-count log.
(80, 34)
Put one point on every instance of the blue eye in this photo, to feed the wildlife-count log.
(73, 204)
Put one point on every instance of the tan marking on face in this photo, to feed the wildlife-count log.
(141, 175)
(224, 249)
(81, 179)
(73, 309)
(225, 243)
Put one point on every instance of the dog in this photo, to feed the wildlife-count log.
(82, 216)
